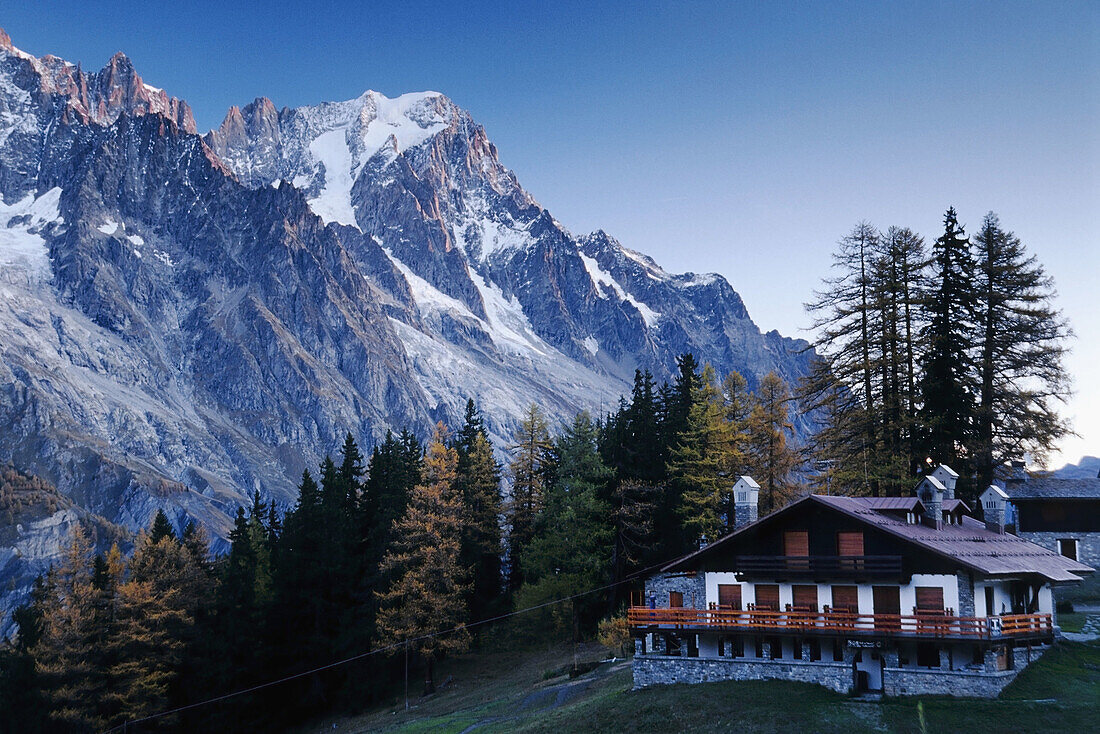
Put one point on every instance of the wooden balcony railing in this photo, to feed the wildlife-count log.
(846, 623)
(785, 566)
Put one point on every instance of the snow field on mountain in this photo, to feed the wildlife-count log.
(602, 277)
(20, 243)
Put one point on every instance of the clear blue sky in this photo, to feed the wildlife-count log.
(743, 138)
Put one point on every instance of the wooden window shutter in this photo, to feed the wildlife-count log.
(805, 597)
(675, 599)
(729, 596)
(849, 543)
(846, 599)
(929, 598)
(767, 596)
(887, 599)
(796, 543)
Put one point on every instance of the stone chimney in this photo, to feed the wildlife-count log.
(746, 502)
(930, 492)
(994, 507)
(947, 477)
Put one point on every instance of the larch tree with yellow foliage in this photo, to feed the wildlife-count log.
(425, 605)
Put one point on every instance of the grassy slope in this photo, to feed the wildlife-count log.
(506, 693)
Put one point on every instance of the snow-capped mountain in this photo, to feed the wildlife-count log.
(185, 319)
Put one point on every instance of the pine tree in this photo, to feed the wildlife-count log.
(1019, 343)
(529, 468)
(773, 460)
(478, 483)
(428, 590)
(947, 385)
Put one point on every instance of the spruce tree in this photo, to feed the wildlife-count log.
(161, 528)
(427, 594)
(530, 465)
(571, 550)
(478, 482)
(947, 384)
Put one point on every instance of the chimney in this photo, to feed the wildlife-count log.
(930, 492)
(994, 506)
(947, 477)
(1017, 471)
(746, 502)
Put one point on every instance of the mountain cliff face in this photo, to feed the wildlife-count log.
(185, 319)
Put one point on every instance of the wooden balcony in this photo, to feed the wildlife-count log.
(819, 566)
(925, 625)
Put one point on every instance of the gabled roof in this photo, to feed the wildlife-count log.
(953, 505)
(948, 470)
(969, 544)
(1053, 488)
(934, 482)
(749, 481)
(908, 504)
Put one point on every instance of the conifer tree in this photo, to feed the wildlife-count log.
(1019, 342)
(530, 466)
(478, 482)
(947, 384)
(772, 459)
(68, 653)
(701, 464)
(161, 528)
(427, 595)
(571, 551)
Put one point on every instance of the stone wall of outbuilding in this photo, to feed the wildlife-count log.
(1088, 544)
(692, 586)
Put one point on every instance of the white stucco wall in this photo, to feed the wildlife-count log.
(948, 582)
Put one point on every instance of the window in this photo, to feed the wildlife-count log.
(849, 544)
(1068, 548)
(796, 543)
(729, 596)
(767, 596)
(675, 599)
(805, 597)
(815, 649)
(990, 611)
(929, 599)
(846, 599)
(928, 655)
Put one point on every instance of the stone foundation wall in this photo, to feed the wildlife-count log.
(905, 682)
(654, 670)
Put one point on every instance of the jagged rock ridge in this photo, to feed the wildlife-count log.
(185, 319)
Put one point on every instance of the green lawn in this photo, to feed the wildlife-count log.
(505, 692)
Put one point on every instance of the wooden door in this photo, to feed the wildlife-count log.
(805, 597)
(887, 601)
(675, 599)
(729, 596)
(767, 596)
